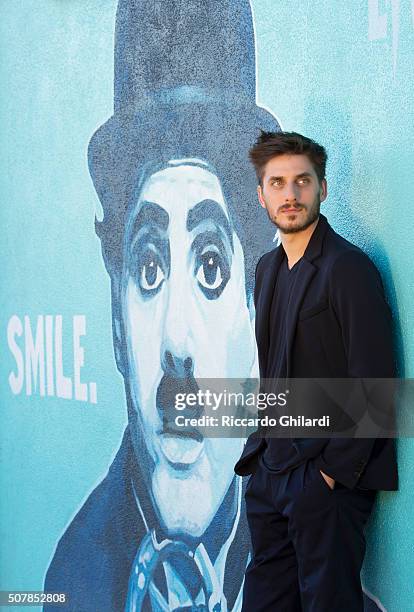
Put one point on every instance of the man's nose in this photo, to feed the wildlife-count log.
(290, 193)
(176, 355)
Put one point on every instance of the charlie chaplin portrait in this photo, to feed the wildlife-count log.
(181, 233)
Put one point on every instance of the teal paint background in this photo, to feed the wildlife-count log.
(321, 75)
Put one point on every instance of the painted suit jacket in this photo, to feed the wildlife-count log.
(94, 558)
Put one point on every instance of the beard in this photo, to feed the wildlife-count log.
(311, 215)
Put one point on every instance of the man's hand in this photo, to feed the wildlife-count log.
(329, 481)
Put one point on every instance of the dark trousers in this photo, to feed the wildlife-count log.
(308, 542)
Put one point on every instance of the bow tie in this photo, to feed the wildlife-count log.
(193, 576)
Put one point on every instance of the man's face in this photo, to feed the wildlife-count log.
(291, 192)
(185, 316)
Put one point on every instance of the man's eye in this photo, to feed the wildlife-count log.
(277, 183)
(212, 274)
(150, 273)
(303, 181)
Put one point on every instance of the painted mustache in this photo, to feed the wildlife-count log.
(165, 400)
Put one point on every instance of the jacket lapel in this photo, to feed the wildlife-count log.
(263, 305)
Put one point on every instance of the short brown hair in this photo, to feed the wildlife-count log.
(272, 144)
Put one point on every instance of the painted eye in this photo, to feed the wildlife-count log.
(212, 274)
(150, 273)
(151, 276)
(209, 274)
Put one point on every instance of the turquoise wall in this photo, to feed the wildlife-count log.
(340, 72)
(343, 73)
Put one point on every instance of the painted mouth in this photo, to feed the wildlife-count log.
(181, 449)
(180, 445)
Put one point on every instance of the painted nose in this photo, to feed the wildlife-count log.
(177, 366)
(176, 357)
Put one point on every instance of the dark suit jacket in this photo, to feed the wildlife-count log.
(338, 326)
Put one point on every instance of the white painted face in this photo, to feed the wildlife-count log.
(185, 314)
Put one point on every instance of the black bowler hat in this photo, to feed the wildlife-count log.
(184, 86)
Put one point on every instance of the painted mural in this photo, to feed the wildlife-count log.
(105, 319)
(181, 233)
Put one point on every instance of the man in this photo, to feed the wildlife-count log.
(320, 313)
(166, 529)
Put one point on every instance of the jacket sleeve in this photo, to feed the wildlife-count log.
(358, 301)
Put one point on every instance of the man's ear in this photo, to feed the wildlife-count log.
(117, 326)
(323, 190)
(260, 196)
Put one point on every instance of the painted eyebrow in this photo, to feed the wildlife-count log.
(209, 210)
(153, 214)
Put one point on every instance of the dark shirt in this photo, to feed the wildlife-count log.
(280, 455)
